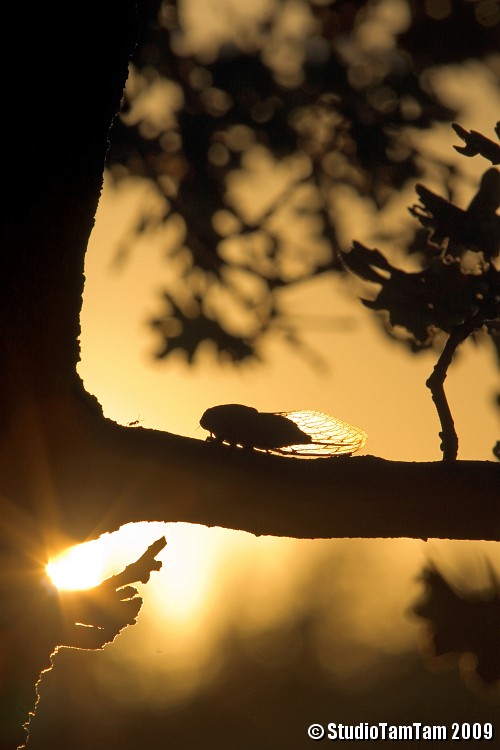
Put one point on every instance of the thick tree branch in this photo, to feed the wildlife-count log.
(104, 476)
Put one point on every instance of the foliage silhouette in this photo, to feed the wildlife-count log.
(476, 143)
(457, 292)
(341, 105)
(463, 624)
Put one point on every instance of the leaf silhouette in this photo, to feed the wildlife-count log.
(476, 228)
(462, 625)
(439, 297)
(476, 143)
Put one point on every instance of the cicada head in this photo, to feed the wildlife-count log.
(224, 422)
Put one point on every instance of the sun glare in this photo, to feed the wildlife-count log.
(88, 564)
(80, 567)
(192, 561)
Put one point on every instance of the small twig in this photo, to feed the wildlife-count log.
(435, 382)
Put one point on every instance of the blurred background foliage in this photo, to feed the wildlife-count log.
(252, 122)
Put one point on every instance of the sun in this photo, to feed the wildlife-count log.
(79, 567)
(86, 565)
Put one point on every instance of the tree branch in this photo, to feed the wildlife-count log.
(435, 382)
(103, 476)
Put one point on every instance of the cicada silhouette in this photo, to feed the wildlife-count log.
(289, 433)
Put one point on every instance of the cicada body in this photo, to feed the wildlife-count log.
(290, 433)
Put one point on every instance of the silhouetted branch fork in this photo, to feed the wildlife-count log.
(95, 616)
(87, 619)
(435, 382)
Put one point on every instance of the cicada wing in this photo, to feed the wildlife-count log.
(329, 436)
